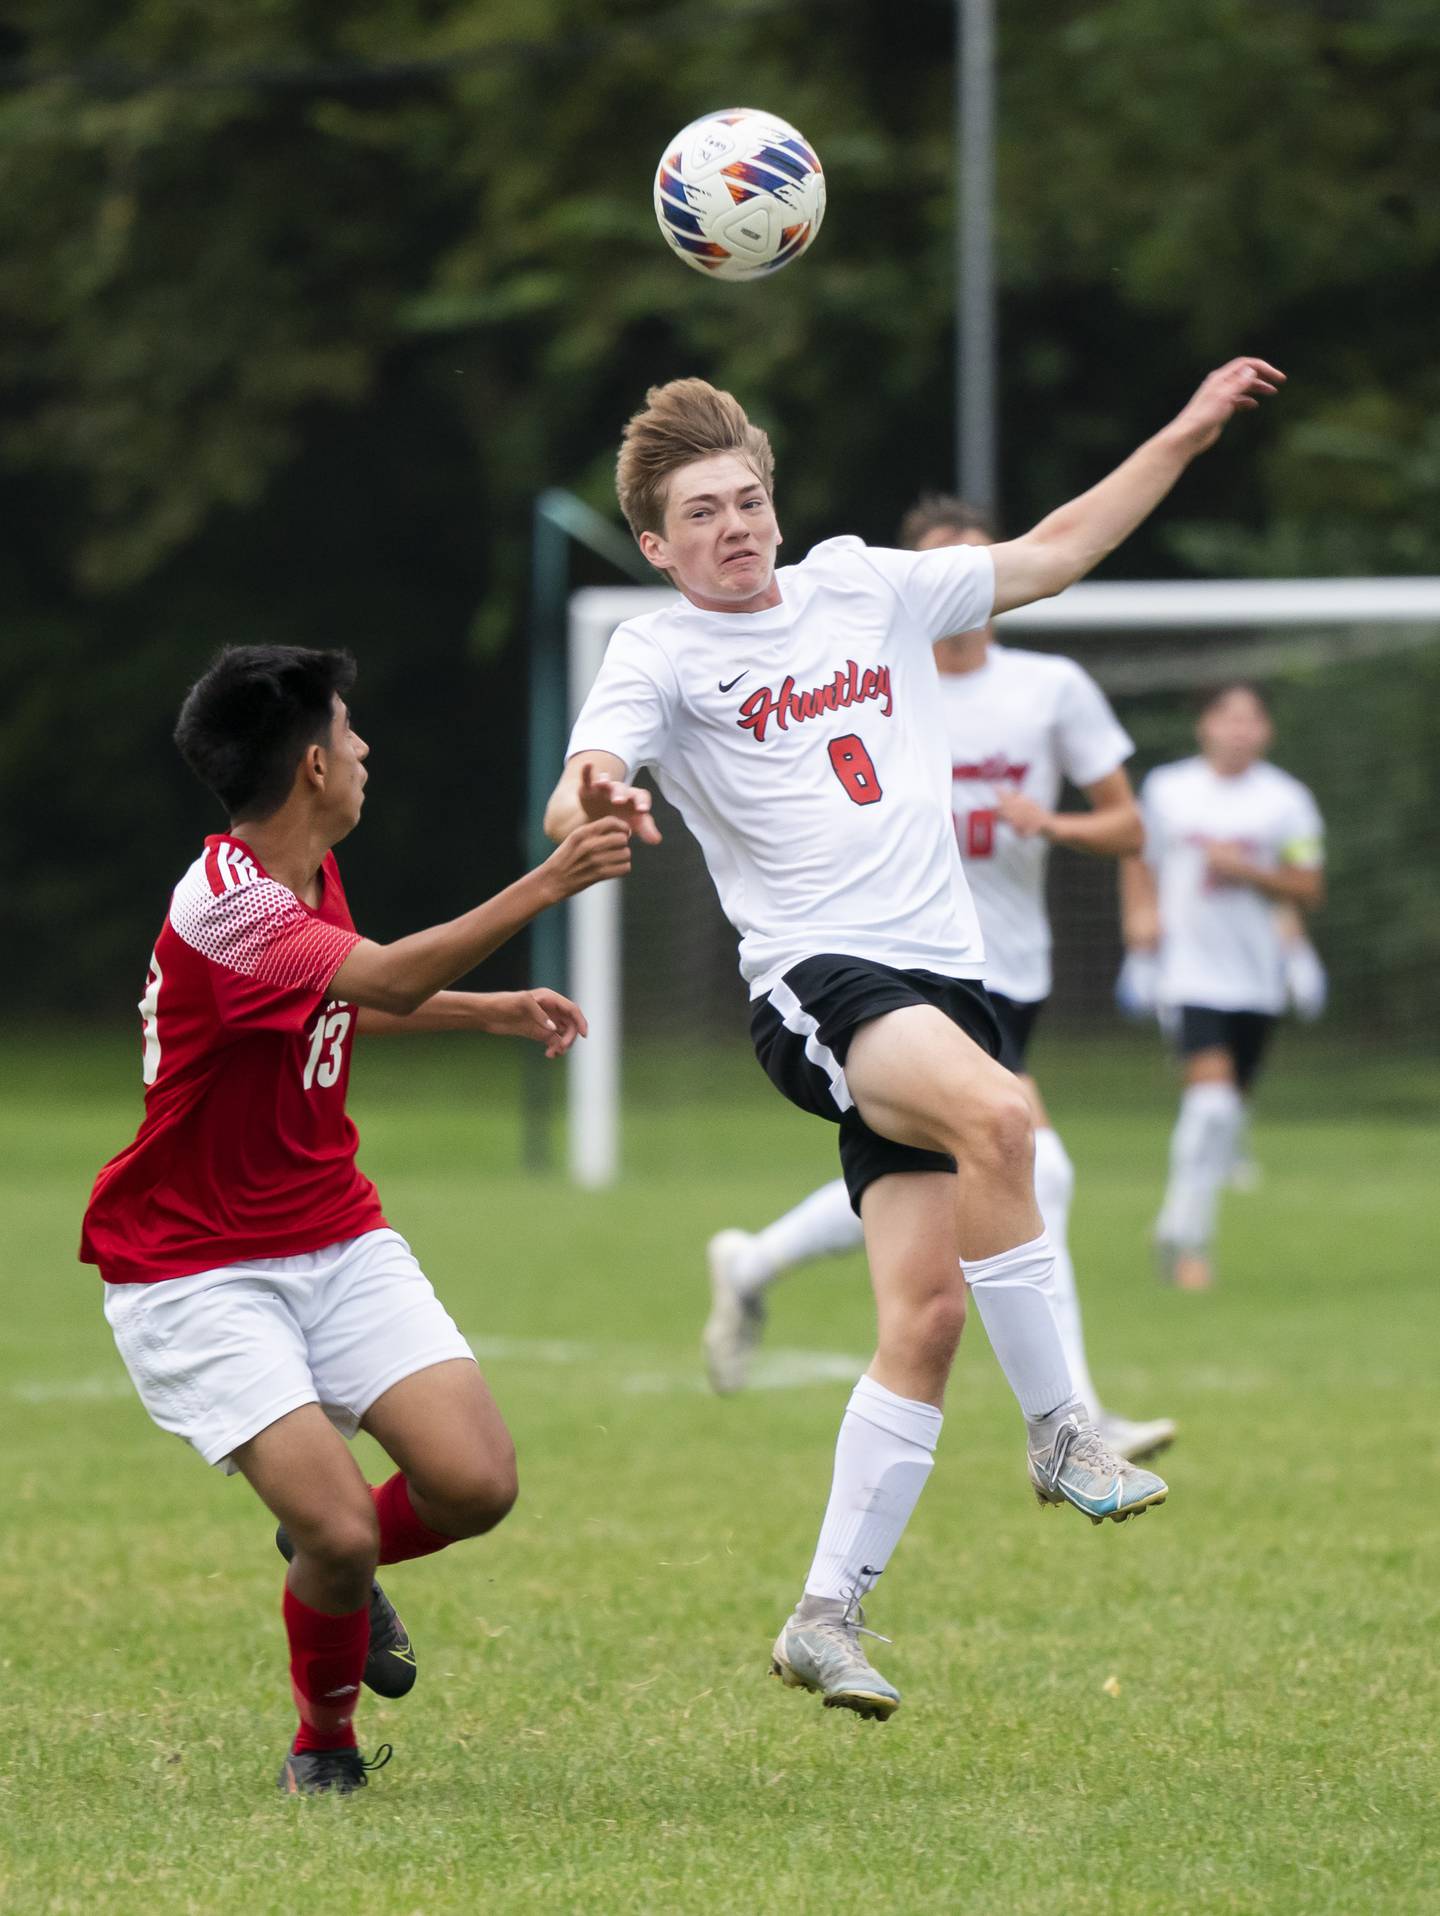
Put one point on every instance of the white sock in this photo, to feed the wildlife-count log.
(821, 1225)
(1202, 1150)
(1012, 1293)
(1054, 1188)
(885, 1451)
(1240, 1152)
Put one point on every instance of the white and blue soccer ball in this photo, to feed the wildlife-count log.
(739, 194)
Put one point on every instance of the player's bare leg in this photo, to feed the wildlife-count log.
(456, 1459)
(302, 1470)
(917, 1078)
(1202, 1151)
(920, 1291)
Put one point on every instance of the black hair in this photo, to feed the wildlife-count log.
(245, 726)
(943, 512)
(1211, 695)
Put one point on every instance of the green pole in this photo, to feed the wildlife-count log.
(549, 578)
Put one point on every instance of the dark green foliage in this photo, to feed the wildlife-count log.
(303, 304)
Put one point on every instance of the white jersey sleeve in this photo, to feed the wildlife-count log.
(948, 590)
(630, 708)
(1091, 741)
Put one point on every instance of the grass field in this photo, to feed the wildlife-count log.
(1231, 1706)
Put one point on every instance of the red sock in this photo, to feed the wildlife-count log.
(402, 1535)
(327, 1661)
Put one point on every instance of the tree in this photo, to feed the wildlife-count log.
(303, 304)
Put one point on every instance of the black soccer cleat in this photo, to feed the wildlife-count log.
(390, 1663)
(329, 1772)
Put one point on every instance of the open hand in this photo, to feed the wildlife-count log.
(604, 797)
(1235, 387)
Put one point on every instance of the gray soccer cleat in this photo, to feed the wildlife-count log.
(1078, 1469)
(737, 1317)
(1134, 1439)
(822, 1654)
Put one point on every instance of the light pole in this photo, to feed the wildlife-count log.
(974, 251)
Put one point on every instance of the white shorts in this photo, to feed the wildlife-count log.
(219, 1356)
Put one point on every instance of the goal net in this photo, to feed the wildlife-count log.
(1351, 669)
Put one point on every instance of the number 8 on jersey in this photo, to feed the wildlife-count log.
(855, 768)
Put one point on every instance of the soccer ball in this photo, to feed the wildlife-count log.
(739, 194)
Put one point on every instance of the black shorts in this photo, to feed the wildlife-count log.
(1244, 1034)
(802, 1032)
(1016, 1021)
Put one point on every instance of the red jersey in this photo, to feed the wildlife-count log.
(245, 1150)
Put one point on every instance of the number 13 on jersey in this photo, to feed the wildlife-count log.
(323, 1066)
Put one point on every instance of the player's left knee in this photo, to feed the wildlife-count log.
(927, 1332)
(478, 1495)
(995, 1135)
(940, 1322)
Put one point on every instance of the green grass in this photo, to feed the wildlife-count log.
(593, 1730)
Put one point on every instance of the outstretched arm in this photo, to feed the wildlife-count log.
(541, 1014)
(592, 786)
(400, 977)
(1074, 539)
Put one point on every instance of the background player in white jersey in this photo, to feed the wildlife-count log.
(1228, 836)
(1016, 723)
(793, 718)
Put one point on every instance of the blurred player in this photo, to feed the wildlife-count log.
(260, 1300)
(1307, 990)
(793, 718)
(1016, 724)
(1228, 836)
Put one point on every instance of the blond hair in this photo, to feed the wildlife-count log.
(687, 420)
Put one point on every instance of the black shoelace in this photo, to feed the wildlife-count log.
(338, 1765)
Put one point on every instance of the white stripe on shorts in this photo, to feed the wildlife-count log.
(796, 1018)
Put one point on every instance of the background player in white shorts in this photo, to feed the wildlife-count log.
(793, 718)
(1228, 836)
(258, 1297)
(1016, 724)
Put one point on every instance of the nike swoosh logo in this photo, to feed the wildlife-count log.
(735, 681)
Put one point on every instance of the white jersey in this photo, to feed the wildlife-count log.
(1219, 942)
(803, 747)
(1022, 722)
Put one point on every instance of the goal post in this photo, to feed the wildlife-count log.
(595, 934)
(1251, 628)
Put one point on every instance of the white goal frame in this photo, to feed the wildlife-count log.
(1318, 617)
